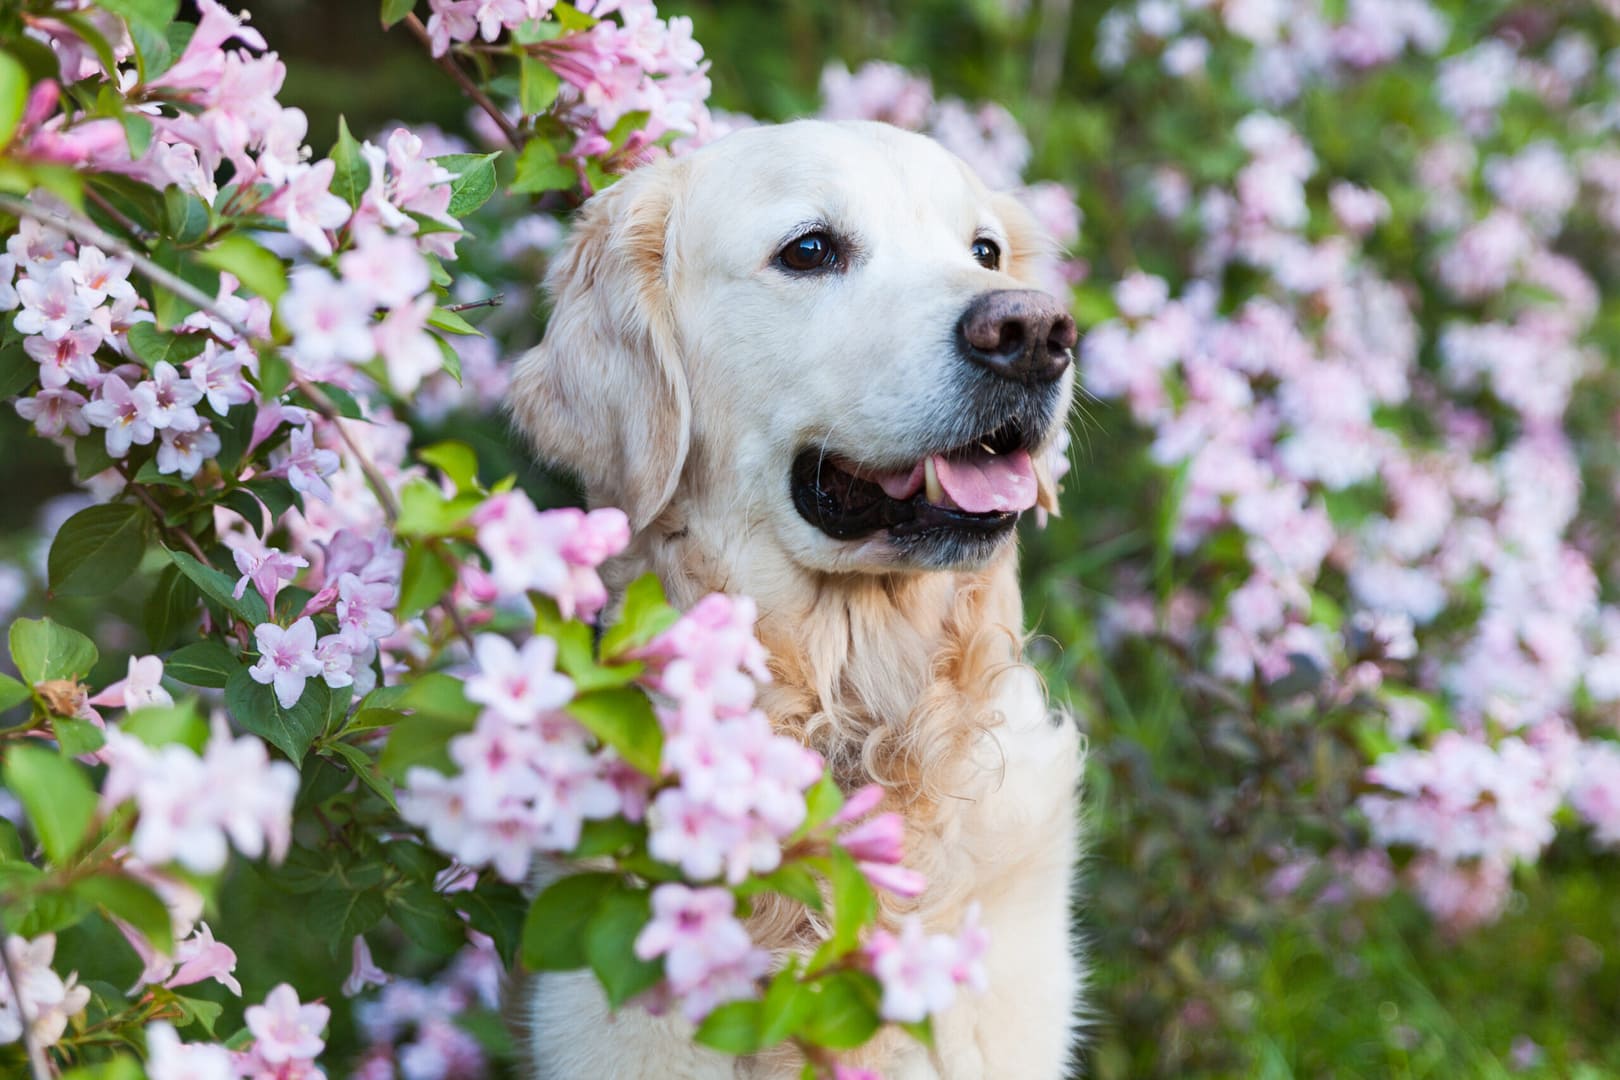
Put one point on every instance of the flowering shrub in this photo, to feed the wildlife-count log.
(369, 672)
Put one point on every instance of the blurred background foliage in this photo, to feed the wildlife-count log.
(1198, 969)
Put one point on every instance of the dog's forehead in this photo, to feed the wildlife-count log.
(858, 175)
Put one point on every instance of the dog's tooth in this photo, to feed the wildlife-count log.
(931, 486)
(986, 448)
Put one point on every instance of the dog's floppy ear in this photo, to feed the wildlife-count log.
(605, 394)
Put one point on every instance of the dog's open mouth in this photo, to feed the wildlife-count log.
(978, 488)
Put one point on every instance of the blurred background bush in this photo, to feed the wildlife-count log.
(1242, 918)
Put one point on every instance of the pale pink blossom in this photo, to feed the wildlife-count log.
(285, 1029)
(520, 686)
(709, 958)
(286, 659)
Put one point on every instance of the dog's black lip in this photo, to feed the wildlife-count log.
(862, 507)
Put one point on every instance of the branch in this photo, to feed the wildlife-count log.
(489, 301)
(186, 538)
(468, 87)
(87, 231)
(38, 1066)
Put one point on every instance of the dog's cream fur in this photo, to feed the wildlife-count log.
(680, 374)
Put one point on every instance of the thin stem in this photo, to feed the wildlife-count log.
(136, 232)
(37, 1065)
(151, 504)
(468, 87)
(374, 478)
(489, 301)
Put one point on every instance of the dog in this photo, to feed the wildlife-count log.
(808, 363)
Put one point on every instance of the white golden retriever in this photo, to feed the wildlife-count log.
(808, 363)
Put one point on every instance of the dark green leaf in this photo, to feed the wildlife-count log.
(203, 663)
(198, 1011)
(497, 910)
(420, 741)
(45, 650)
(254, 706)
(90, 455)
(18, 372)
(427, 918)
(363, 769)
(57, 795)
(171, 608)
(187, 214)
(337, 915)
(97, 549)
(220, 589)
(623, 719)
(133, 902)
(554, 929)
(609, 945)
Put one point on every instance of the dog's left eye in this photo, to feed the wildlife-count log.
(812, 251)
(986, 253)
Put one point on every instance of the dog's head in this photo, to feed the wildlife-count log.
(820, 336)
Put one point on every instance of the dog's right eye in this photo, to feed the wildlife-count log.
(812, 251)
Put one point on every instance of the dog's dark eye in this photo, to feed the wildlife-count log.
(987, 254)
(812, 251)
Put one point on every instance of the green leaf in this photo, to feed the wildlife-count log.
(13, 95)
(420, 742)
(645, 614)
(572, 18)
(219, 588)
(45, 650)
(456, 460)
(256, 268)
(167, 725)
(97, 550)
(854, 907)
(203, 663)
(425, 580)
(137, 133)
(254, 706)
(452, 359)
(607, 836)
(539, 170)
(337, 915)
(90, 455)
(843, 1011)
(733, 1028)
(792, 880)
(786, 1006)
(437, 695)
(427, 918)
(57, 795)
(198, 1011)
(187, 214)
(133, 902)
(352, 174)
(496, 910)
(474, 181)
(360, 764)
(425, 512)
(171, 606)
(152, 14)
(395, 10)
(452, 323)
(554, 929)
(623, 719)
(77, 737)
(822, 801)
(18, 372)
(12, 692)
(538, 86)
(610, 945)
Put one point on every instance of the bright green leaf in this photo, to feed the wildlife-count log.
(452, 323)
(843, 1012)
(352, 174)
(425, 581)
(733, 1028)
(153, 14)
(539, 170)
(45, 650)
(623, 719)
(256, 268)
(395, 10)
(474, 181)
(644, 615)
(13, 95)
(57, 795)
(537, 86)
(456, 460)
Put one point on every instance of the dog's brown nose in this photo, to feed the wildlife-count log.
(1019, 334)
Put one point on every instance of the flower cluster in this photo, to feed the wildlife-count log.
(286, 1040)
(740, 786)
(193, 806)
(555, 552)
(921, 972)
(411, 1027)
(42, 1000)
(709, 958)
(529, 776)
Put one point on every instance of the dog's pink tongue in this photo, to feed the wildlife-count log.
(901, 485)
(993, 482)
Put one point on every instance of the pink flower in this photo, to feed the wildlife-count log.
(520, 687)
(308, 206)
(141, 688)
(304, 464)
(184, 452)
(217, 374)
(286, 659)
(920, 972)
(709, 958)
(387, 271)
(555, 552)
(47, 1000)
(363, 611)
(363, 971)
(285, 1030)
(170, 1059)
(125, 413)
(330, 321)
(54, 411)
(410, 353)
(54, 306)
(102, 276)
(200, 957)
(337, 661)
(70, 358)
(265, 567)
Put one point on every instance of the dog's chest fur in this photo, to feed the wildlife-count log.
(914, 683)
